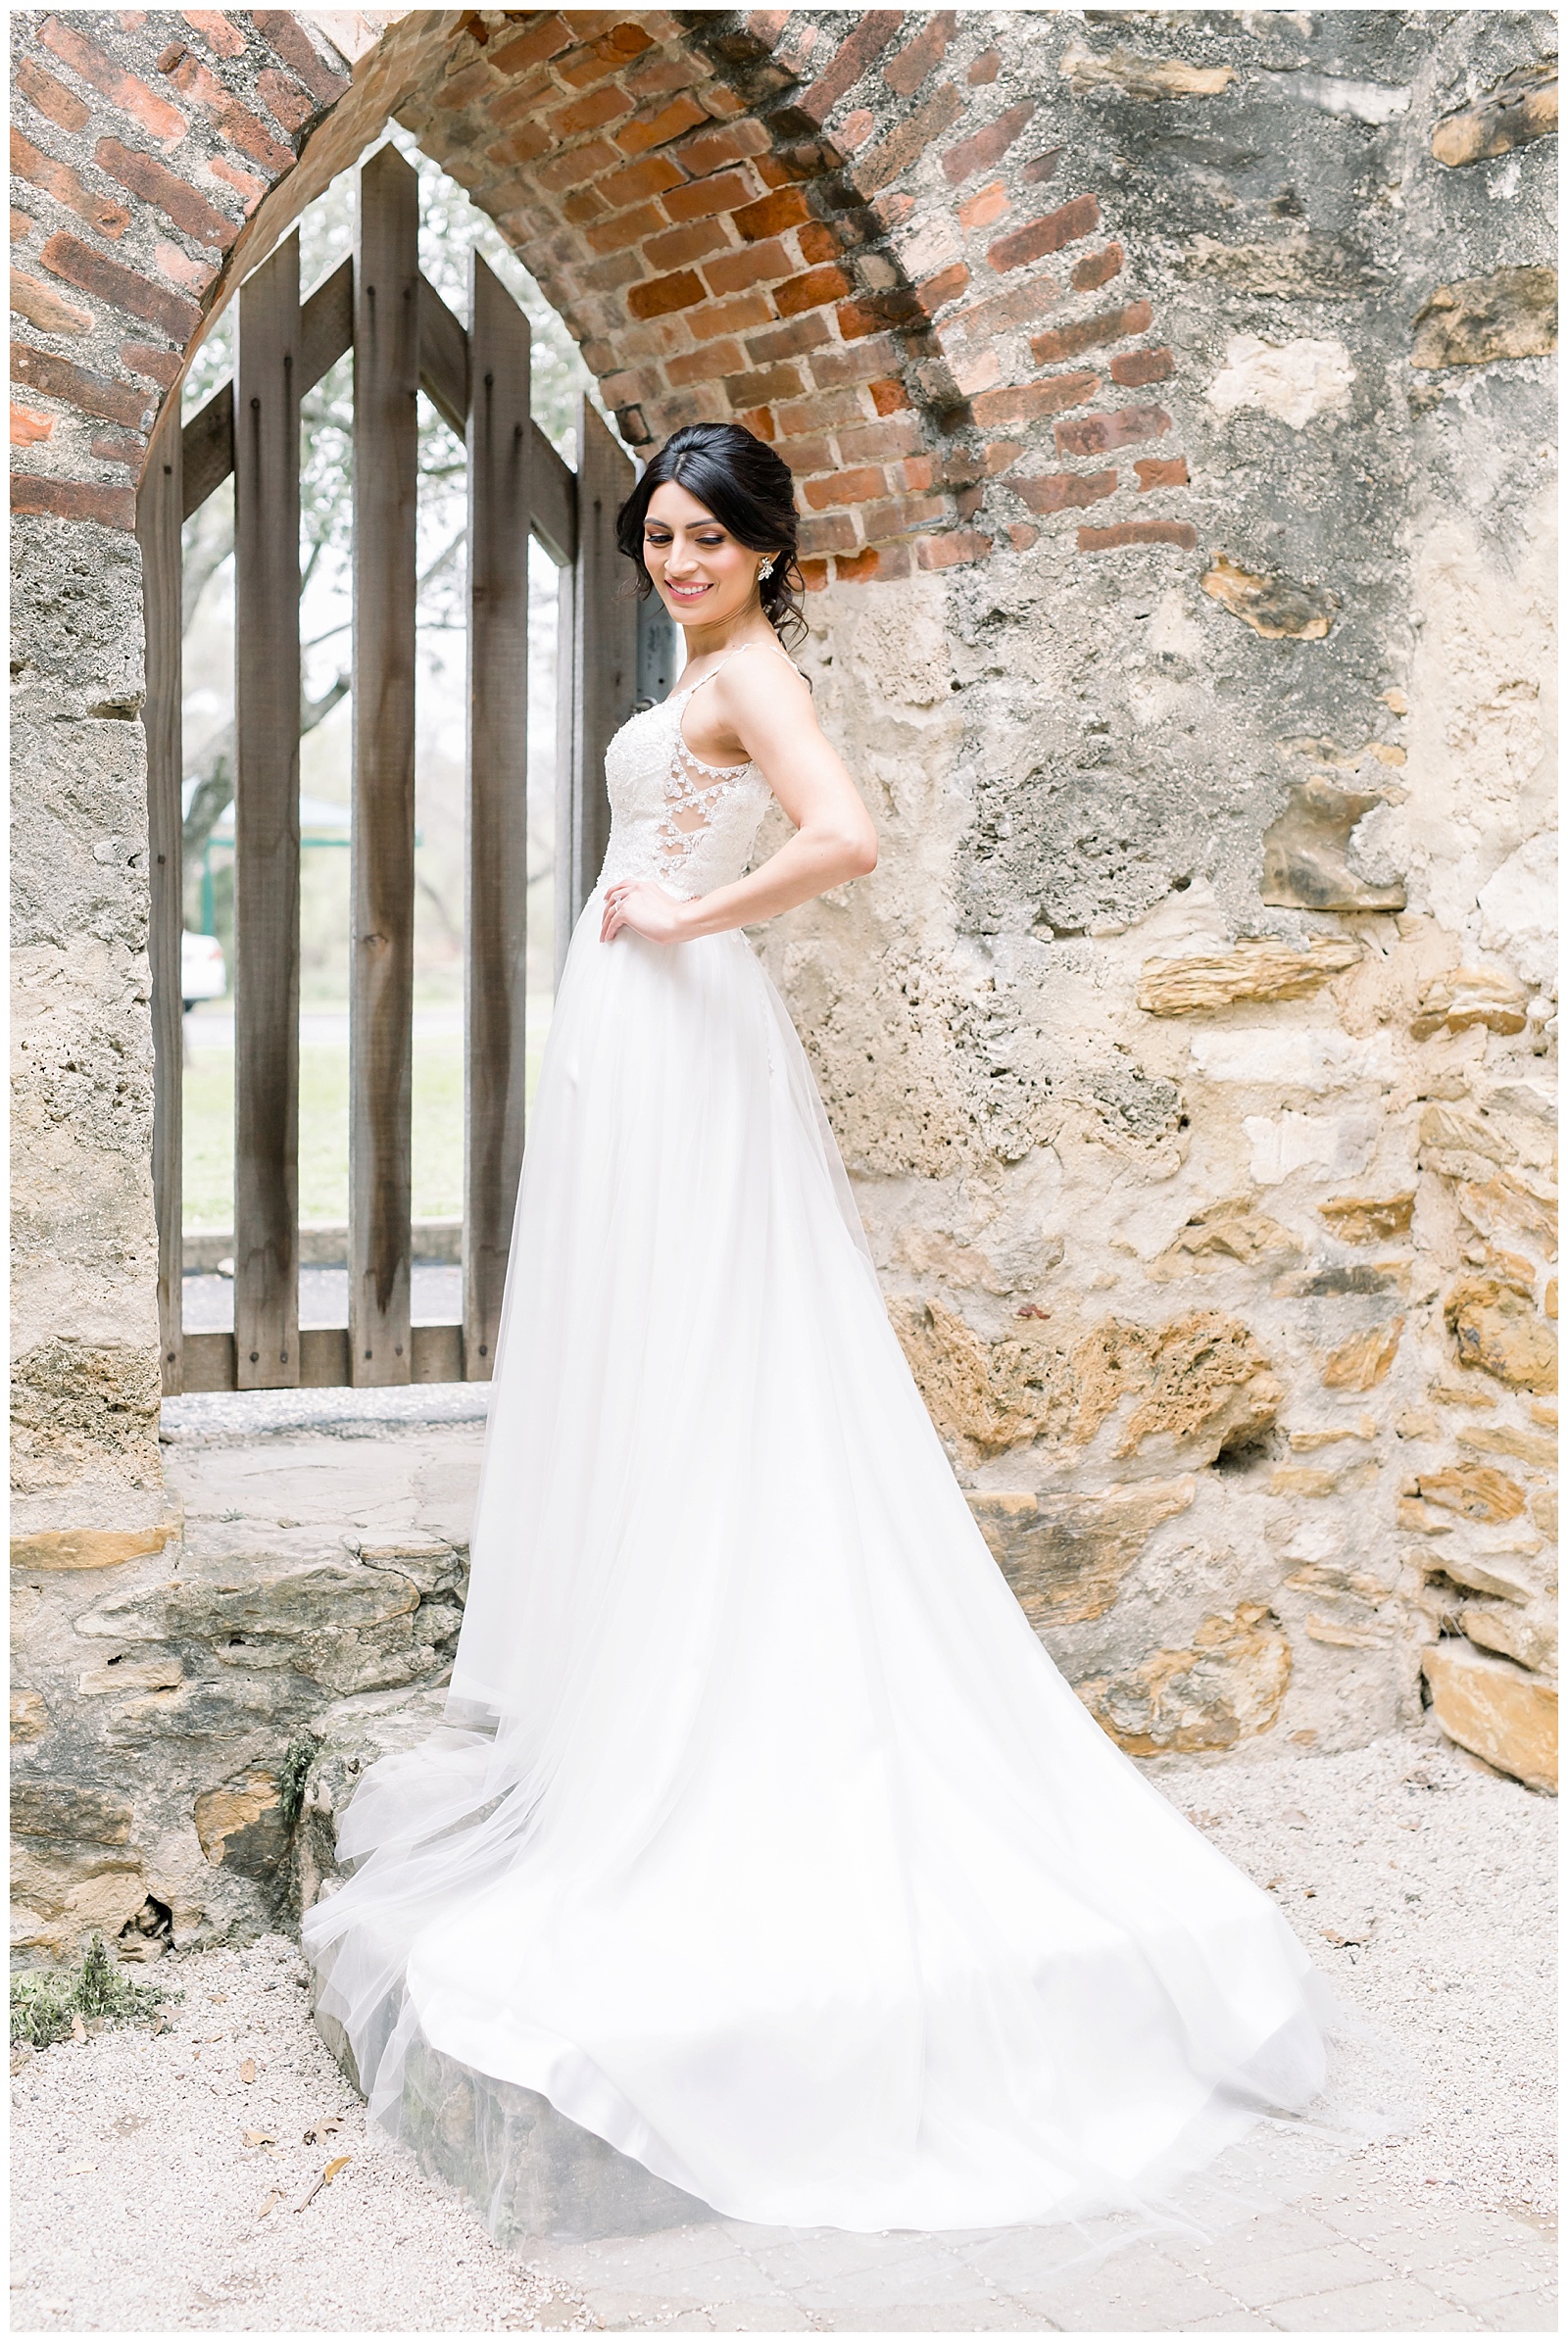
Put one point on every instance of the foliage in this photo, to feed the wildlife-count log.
(43, 2001)
(293, 1774)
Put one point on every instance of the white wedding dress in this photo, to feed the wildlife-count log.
(764, 1839)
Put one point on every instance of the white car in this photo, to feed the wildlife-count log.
(202, 973)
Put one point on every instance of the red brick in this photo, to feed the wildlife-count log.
(680, 245)
(859, 486)
(891, 209)
(159, 365)
(581, 67)
(29, 427)
(715, 148)
(705, 365)
(1023, 403)
(49, 96)
(658, 130)
(920, 473)
(858, 319)
(661, 294)
(856, 568)
(982, 321)
(42, 306)
(658, 72)
(819, 243)
(832, 368)
(909, 139)
(804, 454)
(784, 209)
(520, 101)
(156, 115)
(1048, 234)
(289, 105)
(460, 88)
(1000, 453)
(89, 394)
(586, 203)
(728, 316)
(789, 340)
(244, 183)
(968, 502)
(813, 574)
(985, 69)
(106, 281)
(986, 147)
(764, 24)
(794, 165)
(1022, 534)
(1043, 167)
(987, 204)
(625, 227)
(20, 227)
(758, 263)
(879, 442)
(900, 515)
(172, 195)
(581, 163)
(591, 112)
(633, 427)
(608, 275)
(285, 37)
(129, 452)
(74, 500)
(758, 421)
(1086, 333)
(1097, 268)
(828, 532)
(1065, 491)
(57, 180)
(1138, 532)
(1096, 434)
(766, 385)
(888, 397)
(1161, 471)
(950, 552)
(700, 199)
(1134, 367)
(938, 291)
(635, 182)
(850, 58)
(216, 30)
(232, 122)
(811, 291)
(911, 65)
(523, 145)
(177, 267)
(819, 410)
(541, 41)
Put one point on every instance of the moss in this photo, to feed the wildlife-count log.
(43, 2002)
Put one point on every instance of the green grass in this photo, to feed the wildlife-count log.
(43, 2001)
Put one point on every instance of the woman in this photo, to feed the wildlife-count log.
(775, 1850)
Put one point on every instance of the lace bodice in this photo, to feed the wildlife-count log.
(687, 825)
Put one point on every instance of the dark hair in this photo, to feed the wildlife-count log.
(747, 488)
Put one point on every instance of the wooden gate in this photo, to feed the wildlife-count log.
(404, 339)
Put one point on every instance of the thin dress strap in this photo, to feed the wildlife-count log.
(689, 688)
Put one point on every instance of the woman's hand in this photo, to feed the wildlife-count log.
(647, 911)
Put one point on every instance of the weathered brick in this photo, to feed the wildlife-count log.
(521, 146)
(987, 146)
(635, 182)
(852, 58)
(1025, 402)
(828, 532)
(952, 550)
(172, 195)
(581, 163)
(1097, 268)
(1022, 534)
(968, 501)
(123, 288)
(581, 67)
(767, 385)
(1000, 453)
(1138, 532)
(1004, 312)
(609, 274)
(658, 130)
(46, 309)
(1087, 333)
(1041, 167)
(57, 180)
(519, 101)
(180, 268)
(541, 41)
(156, 115)
(90, 394)
(858, 319)
(901, 515)
(937, 291)
(987, 204)
(459, 89)
(909, 139)
(700, 199)
(831, 368)
(50, 97)
(129, 452)
(811, 291)
(888, 397)
(286, 36)
(1134, 367)
(908, 66)
(27, 427)
(1064, 490)
(819, 410)
(289, 105)
(633, 427)
(678, 246)
(74, 500)
(658, 72)
(625, 227)
(705, 365)
(784, 209)
(1097, 434)
(814, 576)
(1161, 471)
(788, 340)
(580, 206)
(243, 182)
(1048, 234)
(728, 316)
(858, 568)
(879, 442)
(859, 486)
(222, 37)
(804, 454)
(715, 148)
(758, 263)
(661, 294)
(232, 122)
(985, 69)
(159, 365)
(592, 113)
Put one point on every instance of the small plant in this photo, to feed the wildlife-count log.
(298, 1758)
(43, 2001)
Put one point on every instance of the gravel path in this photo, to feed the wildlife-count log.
(139, 2205)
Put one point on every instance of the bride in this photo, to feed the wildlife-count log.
(764, 1838)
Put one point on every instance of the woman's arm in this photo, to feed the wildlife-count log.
(768, 711)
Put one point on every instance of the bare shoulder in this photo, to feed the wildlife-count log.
(765, 685)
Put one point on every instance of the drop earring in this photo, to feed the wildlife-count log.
(766, 569)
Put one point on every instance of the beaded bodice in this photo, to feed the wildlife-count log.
(687, 825)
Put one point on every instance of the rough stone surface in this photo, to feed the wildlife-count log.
(1496, 1710)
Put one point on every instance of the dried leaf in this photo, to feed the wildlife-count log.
(314, 2190)
(79, 2031)
(323, 2129)
(247, 2072)
(270, 2202)
(261, 2138)
(79, 2171)
(339, 2162)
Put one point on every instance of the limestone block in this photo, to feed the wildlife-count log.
(1149, 77)
(1494, 1710)
(1509, 1439)
(63, 1891)
(1465, 996)
(1511, 314)
(30, 1717)
(1210, 1387)
(1227, 1686)
(1275, 607)
(1509, 1204)
(1258, 969)
(993, 1394)
(1306, 853)
(1067, 1558)
(1522, 107)
(1281, 1145)
(1369, 1219)
(1226, 1231)
(1477, 1491)
(1530, 1640)
(68, 1809)
(242, 1823)
(1295, 381)
(1519, 909)
(88, 1548)
(77, 1405)
(1361, 1363)
(1314, 1058)
(1495, 1327)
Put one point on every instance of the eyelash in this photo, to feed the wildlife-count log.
(709, 544)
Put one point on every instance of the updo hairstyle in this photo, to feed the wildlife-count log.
(748, 489)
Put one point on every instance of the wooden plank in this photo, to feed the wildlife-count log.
(159, 509)
(604, 665)
(443, 359)
(555, 501)
(386, 382)
(208, 1362)
(496, 924)
(438, 1355)
(327, 331)
(562, 913)
(266, 824)
(325, 1357)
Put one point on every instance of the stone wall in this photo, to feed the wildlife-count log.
(1170, 398)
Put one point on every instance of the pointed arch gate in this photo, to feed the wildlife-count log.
(404, 340)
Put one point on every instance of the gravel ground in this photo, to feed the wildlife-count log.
(1422, 1883)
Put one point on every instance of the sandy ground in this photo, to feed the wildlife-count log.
(1422, 1883)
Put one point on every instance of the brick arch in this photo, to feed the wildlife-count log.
(853, 245)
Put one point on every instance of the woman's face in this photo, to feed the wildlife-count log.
(704, 576)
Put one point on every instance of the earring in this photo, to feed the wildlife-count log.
(766, 569)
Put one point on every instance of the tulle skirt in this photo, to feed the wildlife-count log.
(764, 1839)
